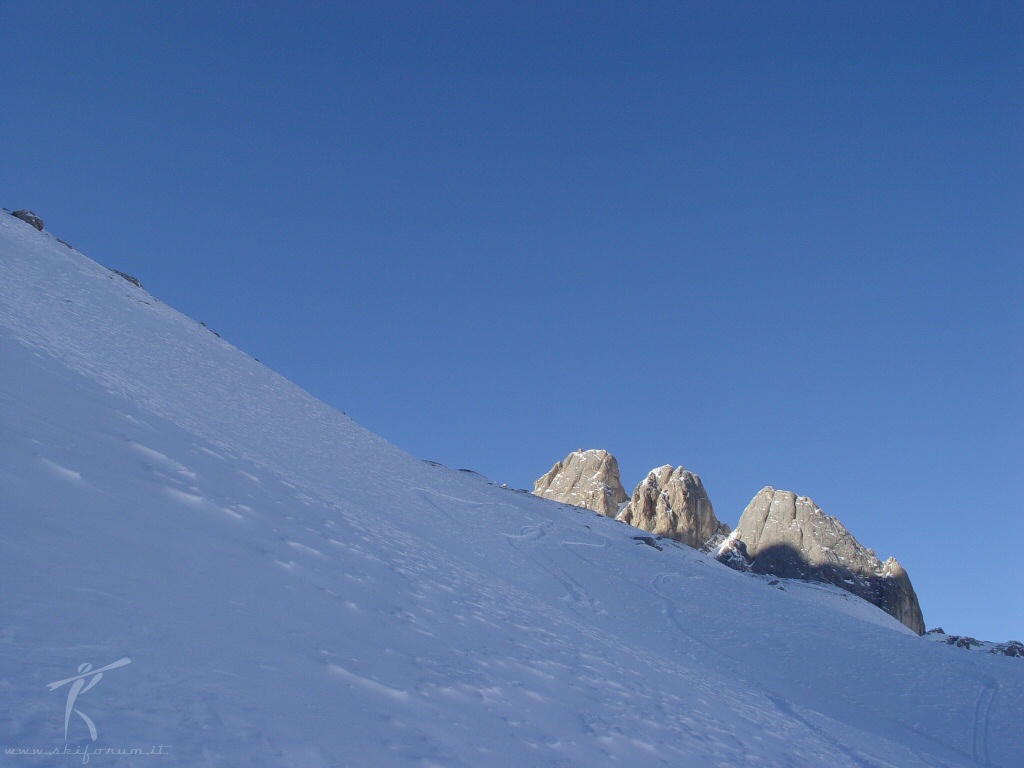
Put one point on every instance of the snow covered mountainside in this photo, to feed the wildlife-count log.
(289, 589)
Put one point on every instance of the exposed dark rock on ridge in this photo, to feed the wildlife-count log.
(29, 218)
(129, 278)
(1011, 648)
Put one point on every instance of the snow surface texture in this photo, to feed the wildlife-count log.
(293, 590)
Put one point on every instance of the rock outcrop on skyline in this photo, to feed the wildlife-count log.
(789, 536)
(29, 218)
(1012, 648)
(780, 533)
(588, 479)
(672, 502)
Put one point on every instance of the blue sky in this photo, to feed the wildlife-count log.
(779, 244)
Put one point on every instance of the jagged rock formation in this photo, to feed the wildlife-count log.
(29, 218)
(672, 502)
(588, 479)
(787, 535)
(780, 533)
(1011, 648)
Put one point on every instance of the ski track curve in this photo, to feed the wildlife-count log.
(781, 704)
(576, 593)
(982, 713)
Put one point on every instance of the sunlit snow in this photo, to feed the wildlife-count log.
(292, 590)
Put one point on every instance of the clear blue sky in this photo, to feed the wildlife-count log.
(777, 243)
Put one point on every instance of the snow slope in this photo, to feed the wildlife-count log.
(292, 590)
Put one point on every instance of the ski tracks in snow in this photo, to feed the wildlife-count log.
(826, 735)
(982, 711)
(576, 593)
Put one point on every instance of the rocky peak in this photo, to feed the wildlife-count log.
(29, 218)
(672, 502)
(787, 535)
(588, 479)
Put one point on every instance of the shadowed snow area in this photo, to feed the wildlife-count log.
(293, 590)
